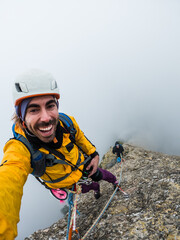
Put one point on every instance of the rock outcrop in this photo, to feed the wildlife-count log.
(152, 210)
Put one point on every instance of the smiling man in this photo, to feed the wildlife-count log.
(44, 146)
(42, 117)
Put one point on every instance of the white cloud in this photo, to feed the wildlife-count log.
(117, 64)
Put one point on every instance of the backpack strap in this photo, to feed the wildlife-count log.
(69, 126)
(40, 160)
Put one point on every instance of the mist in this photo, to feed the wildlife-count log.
(117, 66)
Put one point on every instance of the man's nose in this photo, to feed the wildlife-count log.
(45, 117)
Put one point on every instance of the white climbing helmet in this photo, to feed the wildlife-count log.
(34, 83)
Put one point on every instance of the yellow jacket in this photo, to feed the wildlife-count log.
(14, 170)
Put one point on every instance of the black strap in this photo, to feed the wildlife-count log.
(58, 179)
(73, 166)
(67, 175)
(62, 157)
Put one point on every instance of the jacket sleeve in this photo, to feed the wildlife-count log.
(14, 170)
(83, 142)
(114, 150)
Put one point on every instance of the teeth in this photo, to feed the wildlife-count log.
(46, 128)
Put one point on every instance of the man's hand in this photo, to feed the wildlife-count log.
(94, 165)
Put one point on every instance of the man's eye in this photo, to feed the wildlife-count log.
(33, 110)
(51, 105)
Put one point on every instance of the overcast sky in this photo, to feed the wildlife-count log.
(117, 65)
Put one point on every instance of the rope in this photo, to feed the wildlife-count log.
(70, 202)
(72, 217)
(106, 206)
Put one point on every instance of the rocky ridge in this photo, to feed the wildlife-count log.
(152, 210)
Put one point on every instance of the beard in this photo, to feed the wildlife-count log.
(37, 130)
(53, 122)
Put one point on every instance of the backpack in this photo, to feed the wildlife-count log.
(40, 160)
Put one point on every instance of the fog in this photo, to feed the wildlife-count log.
(117, 66)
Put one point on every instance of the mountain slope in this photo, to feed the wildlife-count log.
(152, 210)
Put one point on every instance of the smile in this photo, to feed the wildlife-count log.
(45, 129)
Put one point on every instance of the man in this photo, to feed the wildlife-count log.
(118, 149)
(61, 161)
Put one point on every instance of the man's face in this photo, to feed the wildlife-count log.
(42, 117)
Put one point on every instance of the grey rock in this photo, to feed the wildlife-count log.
(152, 181)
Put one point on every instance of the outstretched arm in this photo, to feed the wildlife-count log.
(13, 175)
